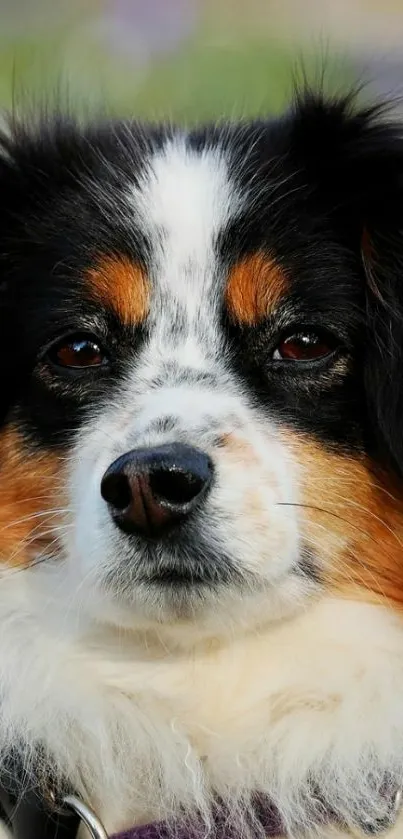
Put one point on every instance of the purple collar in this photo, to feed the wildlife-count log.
(267, 818)
(160, 830)
(30, 810)
(268, 822)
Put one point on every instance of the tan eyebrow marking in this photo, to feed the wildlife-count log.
(120, 285)
(254, 288)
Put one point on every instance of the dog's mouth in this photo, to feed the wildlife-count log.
(178, 565)
(185, 566)
(192, 565)
(176, 577)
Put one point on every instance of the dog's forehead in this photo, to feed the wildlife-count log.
(182, 203)
(185, 201)
(184, 197)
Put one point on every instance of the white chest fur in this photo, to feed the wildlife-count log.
(142, 727)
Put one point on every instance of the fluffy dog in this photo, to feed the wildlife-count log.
(201, 457)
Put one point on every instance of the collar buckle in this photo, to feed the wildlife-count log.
(86, 815)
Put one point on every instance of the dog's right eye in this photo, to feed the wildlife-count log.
(77, 352)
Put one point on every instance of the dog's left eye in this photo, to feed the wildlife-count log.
(304, 346)
(77, 352)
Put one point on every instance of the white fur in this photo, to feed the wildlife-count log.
(128, 716)
(187, 196)
(147, 704)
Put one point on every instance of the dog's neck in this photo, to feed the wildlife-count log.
(143, 728)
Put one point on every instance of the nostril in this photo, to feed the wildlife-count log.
(176, 488)
(116, 491)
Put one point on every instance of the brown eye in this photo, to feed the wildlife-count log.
(303, 346)
(77, 352)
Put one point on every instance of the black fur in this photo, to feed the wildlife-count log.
(325, 196)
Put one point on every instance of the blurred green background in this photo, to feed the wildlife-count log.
(192, 59)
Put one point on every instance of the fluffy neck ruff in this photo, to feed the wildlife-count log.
(145, 729)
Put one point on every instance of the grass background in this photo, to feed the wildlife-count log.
(230, 64)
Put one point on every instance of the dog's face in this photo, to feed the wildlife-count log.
(200, 340)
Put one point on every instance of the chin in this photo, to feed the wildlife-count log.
(201, 467)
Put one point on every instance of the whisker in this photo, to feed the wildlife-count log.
(317, 510)
(39, 559)
(36, 535)
(342, 569)
(345, 520)
(33, 516)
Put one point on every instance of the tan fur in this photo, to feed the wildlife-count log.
(118, 284)
(352, 515)
(29, 496)
(254, 288)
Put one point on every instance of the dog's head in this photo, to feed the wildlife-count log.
(201, 365)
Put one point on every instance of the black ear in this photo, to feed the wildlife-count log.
(8, 201)
(354, 157)
(383, 371)
(14, 195)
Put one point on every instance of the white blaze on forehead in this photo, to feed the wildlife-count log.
(184, 199)
(187, 197)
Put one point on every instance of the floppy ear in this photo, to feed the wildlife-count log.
(354, 156)
(12, 201)
(383, 371)
(381, 253)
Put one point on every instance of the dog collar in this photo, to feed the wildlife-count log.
(31, 813)
(268, 818)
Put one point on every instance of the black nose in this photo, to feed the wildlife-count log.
(150, 491)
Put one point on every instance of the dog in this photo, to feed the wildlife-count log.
(201, 464)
